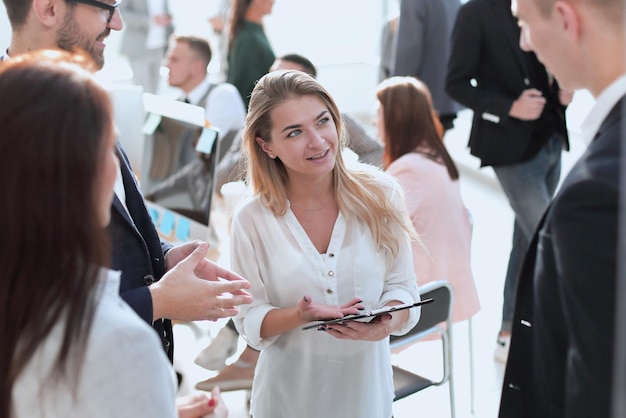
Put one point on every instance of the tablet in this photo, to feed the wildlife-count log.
(368, 314)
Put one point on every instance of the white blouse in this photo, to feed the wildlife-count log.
(126, 372)
(311, 373)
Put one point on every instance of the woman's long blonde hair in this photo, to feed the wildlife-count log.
(359, 191)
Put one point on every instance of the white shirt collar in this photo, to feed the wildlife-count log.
(196, 94)
(119, 189)
(604, 103)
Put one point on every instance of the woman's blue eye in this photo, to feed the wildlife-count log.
(294, 133)
(323, 121)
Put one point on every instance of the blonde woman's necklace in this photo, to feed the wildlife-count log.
(311, 210)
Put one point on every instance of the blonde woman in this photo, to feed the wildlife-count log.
(318, 241)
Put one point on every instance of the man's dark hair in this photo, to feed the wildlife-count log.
(17, 10)
(304, 62)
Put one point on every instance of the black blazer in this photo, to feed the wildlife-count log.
(485, 48)
(138, 252)
(560, 359)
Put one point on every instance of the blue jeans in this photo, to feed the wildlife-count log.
(529, 186)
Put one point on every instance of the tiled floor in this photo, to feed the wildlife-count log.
(493, 221)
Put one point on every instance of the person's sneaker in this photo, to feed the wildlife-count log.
(214, 356)
(502, 348)
(236, 376)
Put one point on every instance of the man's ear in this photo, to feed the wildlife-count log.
(568, 19)
(265, 147)
(49, 12)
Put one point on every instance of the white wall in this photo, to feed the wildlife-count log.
(5, 29)
(340, 36)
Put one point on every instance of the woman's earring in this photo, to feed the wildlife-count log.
(271, 155)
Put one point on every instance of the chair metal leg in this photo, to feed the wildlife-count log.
(451, 376)
(471, 364)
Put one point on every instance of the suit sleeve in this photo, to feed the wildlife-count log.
(137, 19)
(368, 149)
(410, 39)
(231, 166)
(584, 245)
(140, 300)
(463, 80)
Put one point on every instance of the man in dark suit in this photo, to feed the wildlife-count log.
(152, 282)
(422, 48)
(562, 347)
(518, 125)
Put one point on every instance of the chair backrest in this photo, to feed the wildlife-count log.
(432, 314)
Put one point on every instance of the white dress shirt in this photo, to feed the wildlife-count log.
(223, 107)
(124, 359)
(604, 103)
(311, 373)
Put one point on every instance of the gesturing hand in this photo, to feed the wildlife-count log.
(184, 296)
(205, 269)
(310, 311)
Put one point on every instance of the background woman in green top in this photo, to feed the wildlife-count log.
(250, 54)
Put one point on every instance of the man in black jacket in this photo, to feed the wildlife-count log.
(518, 126)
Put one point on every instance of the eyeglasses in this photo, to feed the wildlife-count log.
(110, 7)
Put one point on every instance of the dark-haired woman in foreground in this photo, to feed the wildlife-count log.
(70, 346)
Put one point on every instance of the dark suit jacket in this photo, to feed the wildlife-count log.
(423, 46)
(137, 251)
(485, 48)
(560, 360)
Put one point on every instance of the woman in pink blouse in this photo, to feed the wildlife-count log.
(415, 154)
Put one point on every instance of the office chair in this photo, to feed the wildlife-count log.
(439, 311)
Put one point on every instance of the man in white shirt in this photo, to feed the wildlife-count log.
(187, 61)
(561, 360)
